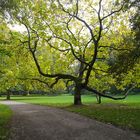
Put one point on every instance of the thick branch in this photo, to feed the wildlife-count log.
(35, 79)
(107, 96)
(61, 76)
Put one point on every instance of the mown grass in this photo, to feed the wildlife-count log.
(119, 115)
(123, 113)
(64, 100)
(5, 115)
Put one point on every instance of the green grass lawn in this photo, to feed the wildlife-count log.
(65, 100)
(119, 115)
(5, 115)
(123, 113)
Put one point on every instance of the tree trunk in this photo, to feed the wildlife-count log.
(77, 96)
(78, 88)
(8, 96)
(99, 101)
(98, 97)
(28, 93)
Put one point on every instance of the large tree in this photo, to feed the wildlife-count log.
(74, 40)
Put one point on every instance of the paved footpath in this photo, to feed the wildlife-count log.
(34, 122)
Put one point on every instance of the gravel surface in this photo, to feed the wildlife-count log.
(34, 122)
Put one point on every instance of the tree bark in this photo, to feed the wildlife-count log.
(77, 95)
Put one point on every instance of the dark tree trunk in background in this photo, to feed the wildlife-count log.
(8, 95)
(99, 100)
(98, 97)
(77, 95)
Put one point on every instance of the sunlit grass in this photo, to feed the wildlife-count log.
(131, 100)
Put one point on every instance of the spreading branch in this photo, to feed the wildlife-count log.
(107, 96)
(59, 75)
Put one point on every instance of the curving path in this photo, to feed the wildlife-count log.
(34, 122)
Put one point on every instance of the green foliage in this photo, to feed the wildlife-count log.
(7, 58)
(15, 62)
(125, 62)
